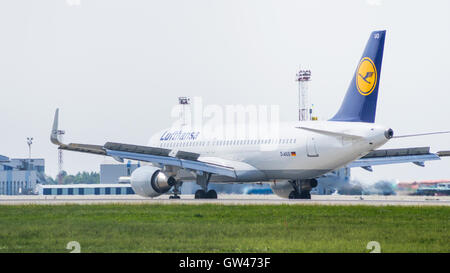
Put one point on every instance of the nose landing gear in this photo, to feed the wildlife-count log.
(176, 190)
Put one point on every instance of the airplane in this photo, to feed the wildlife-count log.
(303, 152)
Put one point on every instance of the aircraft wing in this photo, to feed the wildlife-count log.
(417, 155)
(120, 151)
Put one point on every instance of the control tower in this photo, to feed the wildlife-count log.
(184, 101)
(304, 108)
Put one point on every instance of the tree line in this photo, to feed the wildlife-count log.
(79, 178)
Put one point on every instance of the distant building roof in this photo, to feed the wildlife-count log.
(416, 184)
(426, 181)
(4, 158)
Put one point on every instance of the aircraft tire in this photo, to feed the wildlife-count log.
(200, 194)
(294, 195)
(211, 194)
(300, 195)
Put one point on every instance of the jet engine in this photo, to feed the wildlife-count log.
(282, 188)
(149, 181)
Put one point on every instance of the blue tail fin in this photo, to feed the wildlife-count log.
(360, 102)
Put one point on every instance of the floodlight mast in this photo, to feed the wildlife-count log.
(304, 108)
(28, 182)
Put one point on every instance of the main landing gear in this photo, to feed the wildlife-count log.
(302, 188)
(201, 194)
(203, 181)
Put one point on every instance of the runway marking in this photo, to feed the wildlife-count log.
(232, 200)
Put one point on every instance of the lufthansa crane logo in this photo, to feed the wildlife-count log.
(366, 76)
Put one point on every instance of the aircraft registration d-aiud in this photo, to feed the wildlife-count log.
(307, 149)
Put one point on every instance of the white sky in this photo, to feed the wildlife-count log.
(116, 68)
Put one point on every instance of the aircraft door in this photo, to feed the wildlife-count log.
(311, 147)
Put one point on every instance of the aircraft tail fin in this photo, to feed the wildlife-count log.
(360, 102)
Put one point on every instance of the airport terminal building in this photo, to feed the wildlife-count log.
(20, 175)
(85, 189)
(111, 173)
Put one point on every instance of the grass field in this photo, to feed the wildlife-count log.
(217, 228)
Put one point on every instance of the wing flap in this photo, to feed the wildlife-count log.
(136, 149)
(83, 148)
(175, 161)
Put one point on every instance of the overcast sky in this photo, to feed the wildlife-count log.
(116, 68)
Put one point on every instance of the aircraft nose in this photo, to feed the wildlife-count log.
(389, 133)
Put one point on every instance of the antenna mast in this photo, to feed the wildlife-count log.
(60, 134)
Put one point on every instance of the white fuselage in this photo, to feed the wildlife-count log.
(288, 152)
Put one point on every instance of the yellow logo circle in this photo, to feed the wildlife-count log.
(366, 76)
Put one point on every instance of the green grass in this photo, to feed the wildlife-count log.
(218, 228)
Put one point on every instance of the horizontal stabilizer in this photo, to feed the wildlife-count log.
(443, 153)
(424, 134)
(417, 155)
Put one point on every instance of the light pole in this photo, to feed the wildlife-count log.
(29, 142)
(28, 182)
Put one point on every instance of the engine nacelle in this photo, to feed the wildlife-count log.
(150, 181)
(282, 188)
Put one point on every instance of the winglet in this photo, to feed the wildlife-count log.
(54, 134)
